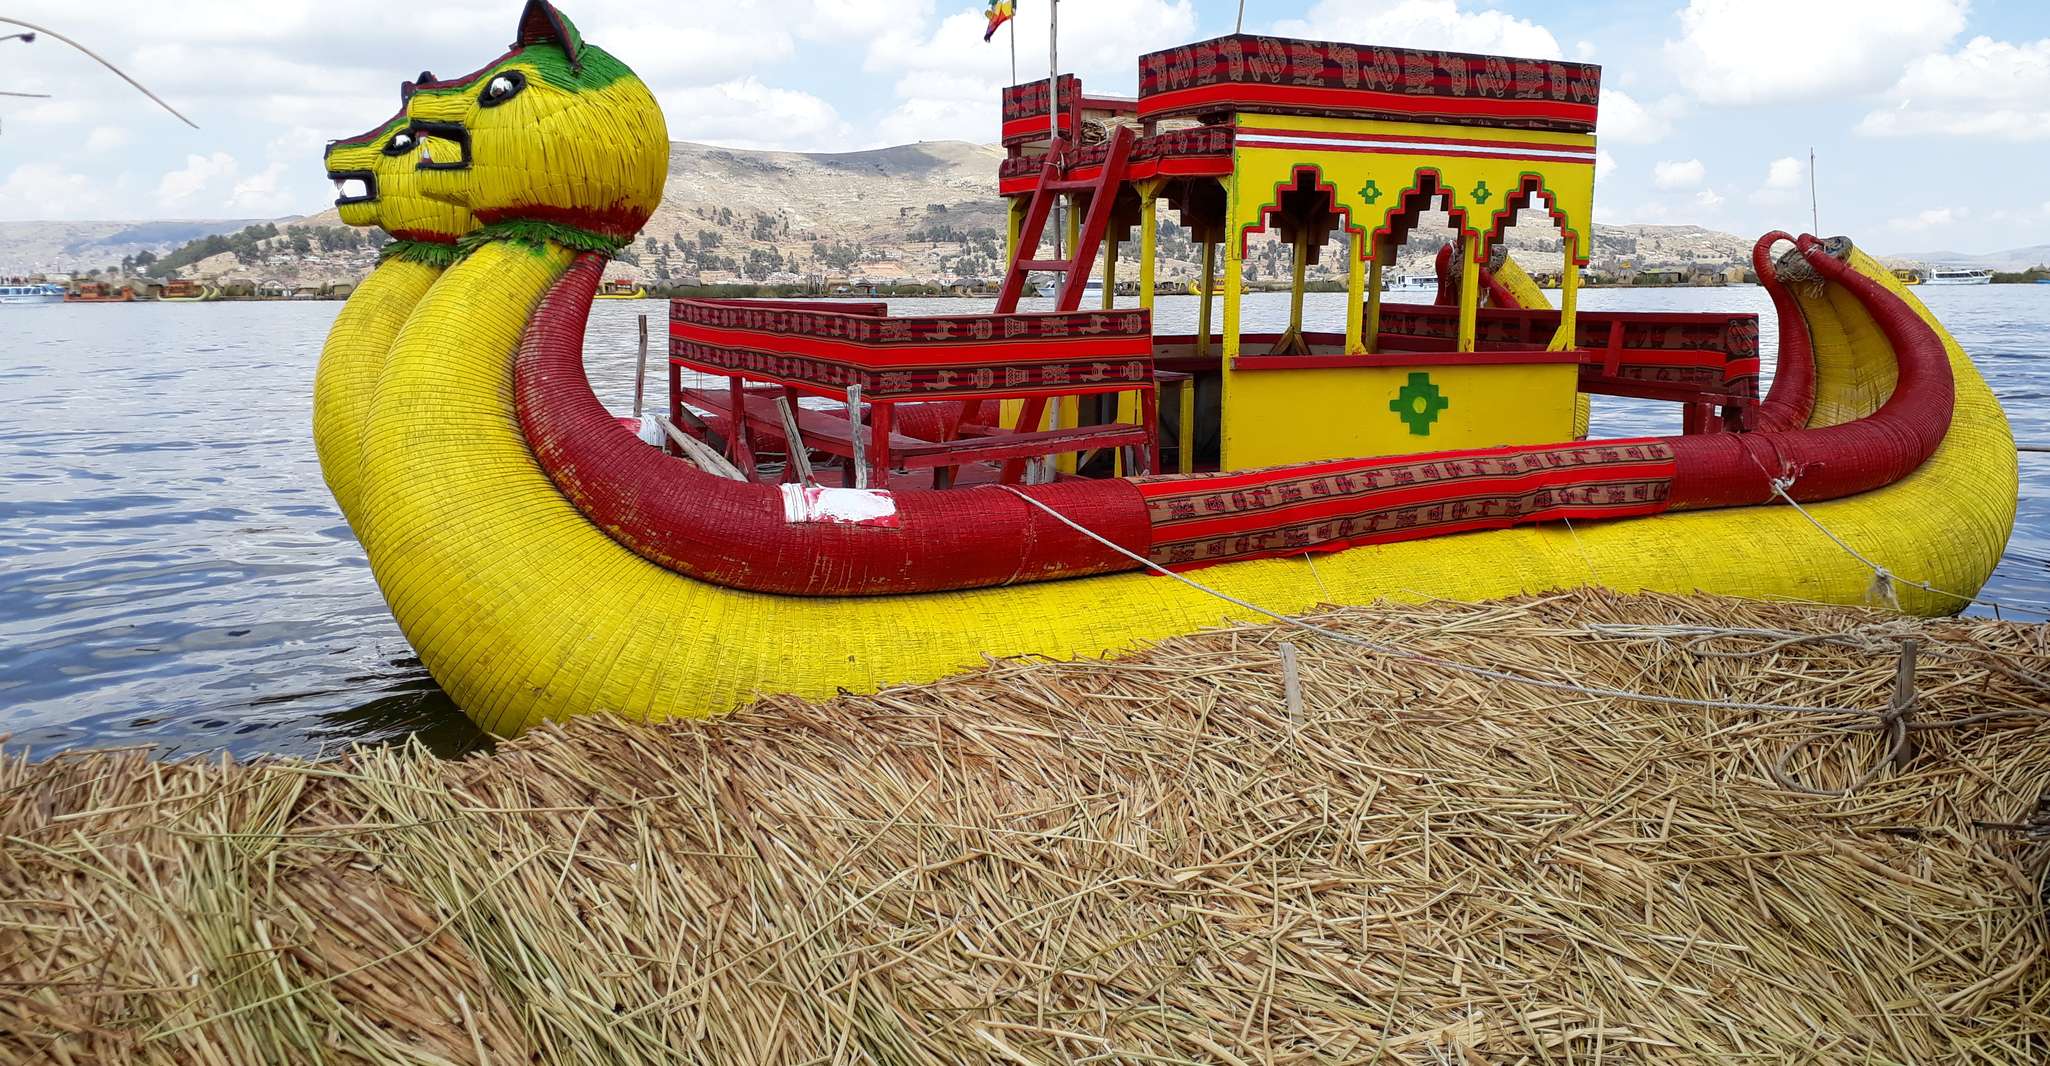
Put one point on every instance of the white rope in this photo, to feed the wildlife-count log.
(1394, 651)
(1885, 578)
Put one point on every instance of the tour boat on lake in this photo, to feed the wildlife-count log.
(845, 498)
(25, 293)
(1959, 276)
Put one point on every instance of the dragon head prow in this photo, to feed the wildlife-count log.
(555, 137)
(374, 174)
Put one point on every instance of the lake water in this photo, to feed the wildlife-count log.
(173, 571)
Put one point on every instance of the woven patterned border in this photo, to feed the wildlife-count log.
(1249, 73)
(936, 329)
(1321, 507)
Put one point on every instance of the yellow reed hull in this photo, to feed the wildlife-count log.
(524, 611)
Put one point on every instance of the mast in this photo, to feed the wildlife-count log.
(1053, 120)
(1814, 214)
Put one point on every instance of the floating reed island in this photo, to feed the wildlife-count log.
(1200, 854)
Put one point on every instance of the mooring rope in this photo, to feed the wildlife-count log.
(1897, 722)
(1885, 578)
(1396, 651)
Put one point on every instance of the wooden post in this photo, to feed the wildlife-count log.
(743, 449)
(1185, 434)
(798, 457)
(1567, 339)
(1469, 292)
(1205, 286)
(1149, 243)
(879, 428)
(1355, 295)
(641, 371)
(1291, 342)
(1371, 343)
(1900, 717)
(1234, 288)
(858, 461)
(1110, 270)
(1014, 221)
(675, 394)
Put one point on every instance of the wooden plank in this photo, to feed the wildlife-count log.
(797, 456)
(701, 453)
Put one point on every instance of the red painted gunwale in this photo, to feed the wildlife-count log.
(734, 533)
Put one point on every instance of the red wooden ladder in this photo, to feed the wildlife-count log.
(1103, 194)
(1074, 270)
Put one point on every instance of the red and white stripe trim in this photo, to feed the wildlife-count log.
(1389, 144)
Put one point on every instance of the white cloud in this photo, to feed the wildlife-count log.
(1988, 88)
(216, 184)
(948, 80)
(1767, 51)
(1423, 24)
(745, 113)
(1708, 198)
(1623, 119)
(1783, 177)
(105, 139)
(1668, 174)
(177, 189)
(1604, 164)
(43, 190)
(1931, 219)
(1785, 172)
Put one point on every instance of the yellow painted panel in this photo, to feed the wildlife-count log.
(1368, 185)
(1293, 416)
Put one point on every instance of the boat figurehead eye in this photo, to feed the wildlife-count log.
(502, 87)
(400, 143)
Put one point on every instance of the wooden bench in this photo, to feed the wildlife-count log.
(874, 364)
(831, 433)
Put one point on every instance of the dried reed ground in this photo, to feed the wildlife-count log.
(1148, 861)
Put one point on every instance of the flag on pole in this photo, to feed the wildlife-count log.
(1000, 12)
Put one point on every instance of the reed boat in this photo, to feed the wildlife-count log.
(848, 498)
(622, 290)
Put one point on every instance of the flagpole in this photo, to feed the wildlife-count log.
(1013, 20)
(1053, 117)
(1240, 27)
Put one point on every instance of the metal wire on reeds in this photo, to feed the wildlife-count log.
(1164, 859)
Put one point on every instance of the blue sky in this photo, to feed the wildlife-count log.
(1930, 118)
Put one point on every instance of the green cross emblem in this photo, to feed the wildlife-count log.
(1418, 403)
(1481, 193)
(1370, 192)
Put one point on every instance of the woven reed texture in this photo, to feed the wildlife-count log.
(354, 354)
(523, 610)
(1877, 449)
(1792, 398)
(584, 148)
(400, 208)
(350, 362)
(1152, 861)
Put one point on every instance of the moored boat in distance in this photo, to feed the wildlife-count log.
(842, 498)
(95, 292)
(618, 289)
(1413, 283)
(31, 293)
(1959, 276)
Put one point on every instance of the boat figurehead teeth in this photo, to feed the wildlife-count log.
(354, 186)
(454, 151)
